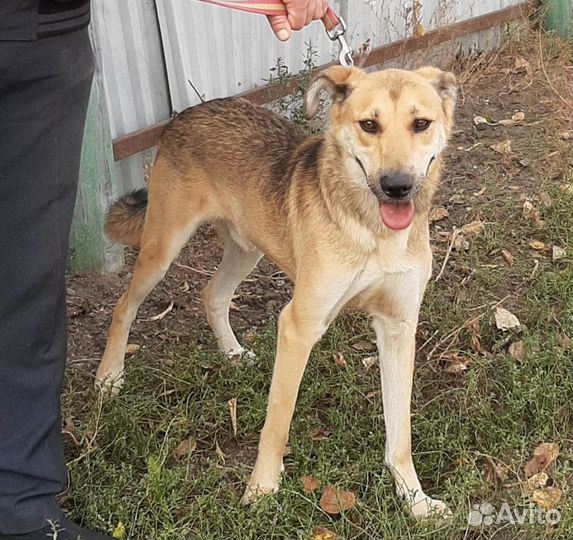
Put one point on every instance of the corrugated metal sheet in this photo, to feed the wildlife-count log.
(159, 55)
(129, 44)
(222, 52)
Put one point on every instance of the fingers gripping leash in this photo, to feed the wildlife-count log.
(334, 25)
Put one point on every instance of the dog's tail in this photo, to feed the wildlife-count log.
(125, 218)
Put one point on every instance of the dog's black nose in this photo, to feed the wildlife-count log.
(396, 185)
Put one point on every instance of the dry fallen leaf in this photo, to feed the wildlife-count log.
(219, 452)
(547, 498)
(537, 245)
(545, 199)
(537, 481)
(455, 363)
(437, 214)
(494, 472)
(339, 359)
(369, 361)
(320, 434)
(309, 484)
(527, 208)
(233, 412)
(474, 228)
(564, 341)
(69, 427)
(373, 395)
(543, 456)
(557, 253)
(519, 116)
(320, 533)
(502, 147)
(185, 447)
(334, 501)
(363, 346)
(517, 350)
(132, 348)
(474, 329)
(505, 319)
(507, 256)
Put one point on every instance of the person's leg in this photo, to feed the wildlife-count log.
(44, 92)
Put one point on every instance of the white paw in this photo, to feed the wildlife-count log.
(262, 484)
(424, 507)
(241, 354)
(108, 383)
(253, 493)
(235, 352)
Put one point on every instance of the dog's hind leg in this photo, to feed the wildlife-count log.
(165, 232)
(236, 264)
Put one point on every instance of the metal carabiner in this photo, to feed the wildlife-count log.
(345, 56)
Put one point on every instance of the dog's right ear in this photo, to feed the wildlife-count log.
(335, 81)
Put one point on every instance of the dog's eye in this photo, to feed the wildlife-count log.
(421, 124)
(370, 126)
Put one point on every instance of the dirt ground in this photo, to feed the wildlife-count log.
(497, 86)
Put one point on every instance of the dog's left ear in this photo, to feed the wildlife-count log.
(445, 84)
(336, 81)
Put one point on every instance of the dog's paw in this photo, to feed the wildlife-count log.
(426, 507)
(260, 486)
(241, 355)
(253, 493)
(109, 384)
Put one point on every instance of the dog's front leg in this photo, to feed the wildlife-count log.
(301, 324)
(395, 338)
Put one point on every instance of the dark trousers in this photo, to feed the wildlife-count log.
(44, 92)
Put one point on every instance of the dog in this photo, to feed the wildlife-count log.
(344, 214)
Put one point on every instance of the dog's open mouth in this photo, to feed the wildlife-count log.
(397, 215)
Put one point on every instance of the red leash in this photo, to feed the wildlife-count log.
(334, 25)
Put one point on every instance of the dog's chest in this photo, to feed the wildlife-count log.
(389, 263)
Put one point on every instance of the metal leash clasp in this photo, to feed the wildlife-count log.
(345, 55)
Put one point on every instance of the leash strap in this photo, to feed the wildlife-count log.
(334, 25)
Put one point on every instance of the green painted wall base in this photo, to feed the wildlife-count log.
(89, 248)
(559, 17)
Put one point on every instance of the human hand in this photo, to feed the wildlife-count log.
(299, 14)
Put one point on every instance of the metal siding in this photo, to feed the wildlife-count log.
(224, 52)
(129, 45)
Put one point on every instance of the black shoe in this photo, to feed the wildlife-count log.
(60, 529)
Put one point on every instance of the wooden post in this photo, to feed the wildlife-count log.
(89, 248)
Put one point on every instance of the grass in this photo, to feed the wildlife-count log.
(121, 451)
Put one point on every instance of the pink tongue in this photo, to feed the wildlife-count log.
(397, 216)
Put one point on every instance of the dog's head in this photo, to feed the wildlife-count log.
(392, 125)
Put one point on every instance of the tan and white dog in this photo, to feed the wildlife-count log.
(344, 214)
